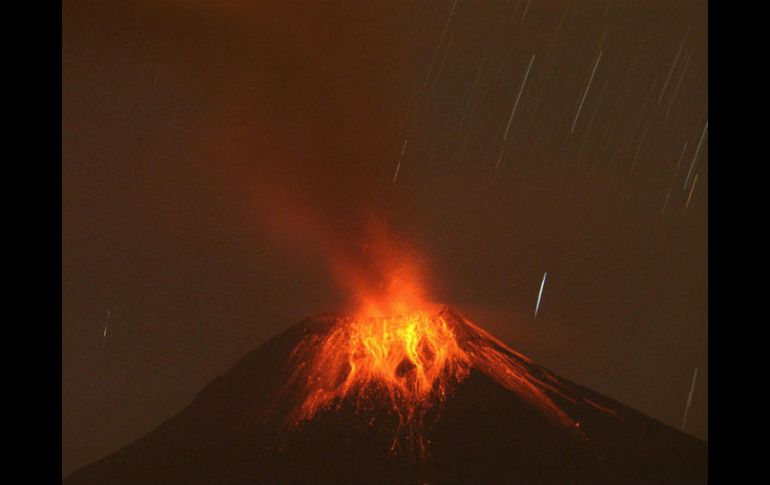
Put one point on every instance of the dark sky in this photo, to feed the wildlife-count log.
(214, 153)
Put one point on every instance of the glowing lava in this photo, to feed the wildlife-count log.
(411, 363)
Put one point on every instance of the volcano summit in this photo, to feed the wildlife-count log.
(416, 398)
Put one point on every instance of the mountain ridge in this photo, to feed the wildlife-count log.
(235, 431)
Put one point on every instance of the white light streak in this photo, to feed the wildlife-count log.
(676, 59)
(440, 42)
(695, 157)
(689, 398)
(540, 295)
(106, 323)
(577, 115)
(400, 156)
(518, 97)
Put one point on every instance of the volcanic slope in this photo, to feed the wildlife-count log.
(413, 399)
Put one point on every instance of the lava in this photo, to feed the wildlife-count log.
(410, 362)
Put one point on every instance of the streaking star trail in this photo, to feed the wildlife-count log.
(689, 398)
(106, 323)
(585, 93)
(540, 294)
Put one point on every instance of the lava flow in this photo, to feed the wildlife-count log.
(411, 362)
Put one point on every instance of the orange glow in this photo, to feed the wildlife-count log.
(384, 276)
(398, 349)
(411, 362)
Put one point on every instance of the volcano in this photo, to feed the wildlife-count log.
(415, 398)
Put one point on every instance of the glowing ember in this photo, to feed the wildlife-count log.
(411, 362)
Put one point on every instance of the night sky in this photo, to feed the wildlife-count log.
(216, 153)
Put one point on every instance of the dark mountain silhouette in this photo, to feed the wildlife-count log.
(235, 431)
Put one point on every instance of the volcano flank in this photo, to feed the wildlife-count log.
(414, 398)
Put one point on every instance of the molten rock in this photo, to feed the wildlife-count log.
(413, 398)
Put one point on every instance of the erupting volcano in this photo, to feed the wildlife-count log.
(422, 397)
(399, 390)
